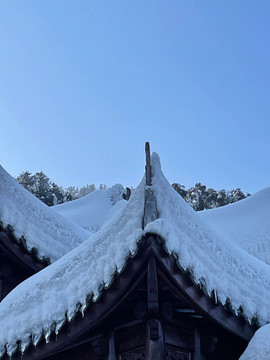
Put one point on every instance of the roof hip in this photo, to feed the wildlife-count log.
(150, 206)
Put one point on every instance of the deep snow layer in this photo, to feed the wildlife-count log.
(42, 228)
(46, 297)
(259, 346)
(246, 223)
(214, 261)
(94, 209)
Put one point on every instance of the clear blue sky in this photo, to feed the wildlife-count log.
(83, 84)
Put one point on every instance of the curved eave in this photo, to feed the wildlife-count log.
(16, 249)
(196, 295)
(110, 298)
(123, 284)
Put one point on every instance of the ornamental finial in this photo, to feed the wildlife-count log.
(148, 174)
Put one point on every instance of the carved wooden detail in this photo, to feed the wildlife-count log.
(136, 355)
(177, 355)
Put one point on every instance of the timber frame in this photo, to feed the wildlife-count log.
(152, 310)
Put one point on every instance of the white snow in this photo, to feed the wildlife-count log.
(94, 209)
(42, 228)
(259, 346)
(246, 223)
(214, 261)
(46, 297)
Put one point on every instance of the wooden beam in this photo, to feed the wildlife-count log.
(152, 287)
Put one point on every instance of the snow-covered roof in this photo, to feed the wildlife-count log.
(215, 261)
(41, 227)
(246, 223)
(94, 209)
(57, 290)
(219, 264)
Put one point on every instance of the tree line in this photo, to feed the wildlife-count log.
(49, 192)
(201, 198)
(198, 196)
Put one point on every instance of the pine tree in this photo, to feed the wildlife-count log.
(201, 198)
(180, 189)
(26, 179)
(42, 188)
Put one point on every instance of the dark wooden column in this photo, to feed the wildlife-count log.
(197, 353)
(154, 345)
(112, 355)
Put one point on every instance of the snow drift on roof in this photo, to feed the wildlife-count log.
(42, 228)
(214, 261)
(94, 209)
(60, 287)
(259, 346)
(246, 223)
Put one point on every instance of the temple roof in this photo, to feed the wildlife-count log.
(34, 223)
(65, 287)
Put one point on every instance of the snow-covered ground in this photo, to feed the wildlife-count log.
(217, 263)
(259, 346)
(246, 223)
(94, 209)
(42, 228)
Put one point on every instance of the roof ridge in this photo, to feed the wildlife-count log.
(150, 206)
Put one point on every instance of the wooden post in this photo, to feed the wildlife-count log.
(112, 355)
(154, 347)
(197, 353)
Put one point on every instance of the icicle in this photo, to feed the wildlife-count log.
(25, 343)
(215, 296)
(47, 335)
(2, 350)
(59, 326)
(72, 312)
(11, 349)
(36, 338)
